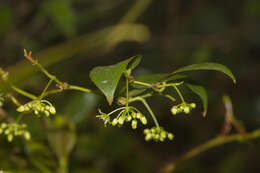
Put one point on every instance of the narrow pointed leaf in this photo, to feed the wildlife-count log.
(135, 62)
(207, 66)
(202, 93)
(106, 78)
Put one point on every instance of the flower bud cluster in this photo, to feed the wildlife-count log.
(184, 107)
(14, 129)
(129, 114)
(38, 107)
(157, 134)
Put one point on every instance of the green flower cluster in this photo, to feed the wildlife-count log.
(14, 129)
(157, 134)
(38, 107)
(130, 114)
(127, 114)
(183, 107)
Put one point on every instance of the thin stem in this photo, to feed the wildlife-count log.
(169, 97)
(179, 93)
(150, 111)
(74, 87)
(49, 75)
(138, 97)
(52, 77)
(116, 110)
(220, 140)
(143, 83)
(127, 83)
(52, 92)
(120, 114)
(46, 88)
(24, 93)
(14, 100)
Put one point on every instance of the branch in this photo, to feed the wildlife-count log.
(220, 140)
(62, 85)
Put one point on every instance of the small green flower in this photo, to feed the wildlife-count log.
(134, 124)
(126, 114)
(183, 107)
(157, 134)
(104, 117)
(38, 107)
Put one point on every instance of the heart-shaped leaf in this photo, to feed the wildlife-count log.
(106, 78)
(207, 66)
(202, 93)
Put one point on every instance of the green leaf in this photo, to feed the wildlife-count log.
(207, 66)
(202, 93)
(135, 61)
(106, 78)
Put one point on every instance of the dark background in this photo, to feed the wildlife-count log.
(70, 37)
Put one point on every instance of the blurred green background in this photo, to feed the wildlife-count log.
(70, 37)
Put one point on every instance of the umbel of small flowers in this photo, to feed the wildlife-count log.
(183, 107)
(38, 107)
(157, 134)
(126, 114)
(14, 129)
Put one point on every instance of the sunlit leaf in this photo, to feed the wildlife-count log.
(207, 66)
(202, 93)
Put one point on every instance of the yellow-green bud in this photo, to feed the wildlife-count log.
(143, 120)
(148, 137)
(27, 135)
(128, 118)
(47, 113)
(174, 110)
(36, 112)
(163, 134)
(3, 125)
(146, 131)
(138, 115)
(186, 109)
(193, 105)
(10, 137)
(20, 109)
(134, 124)
(52, 110)
(170, 136)
(121, 120)
(114, 122)
(133, 114)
